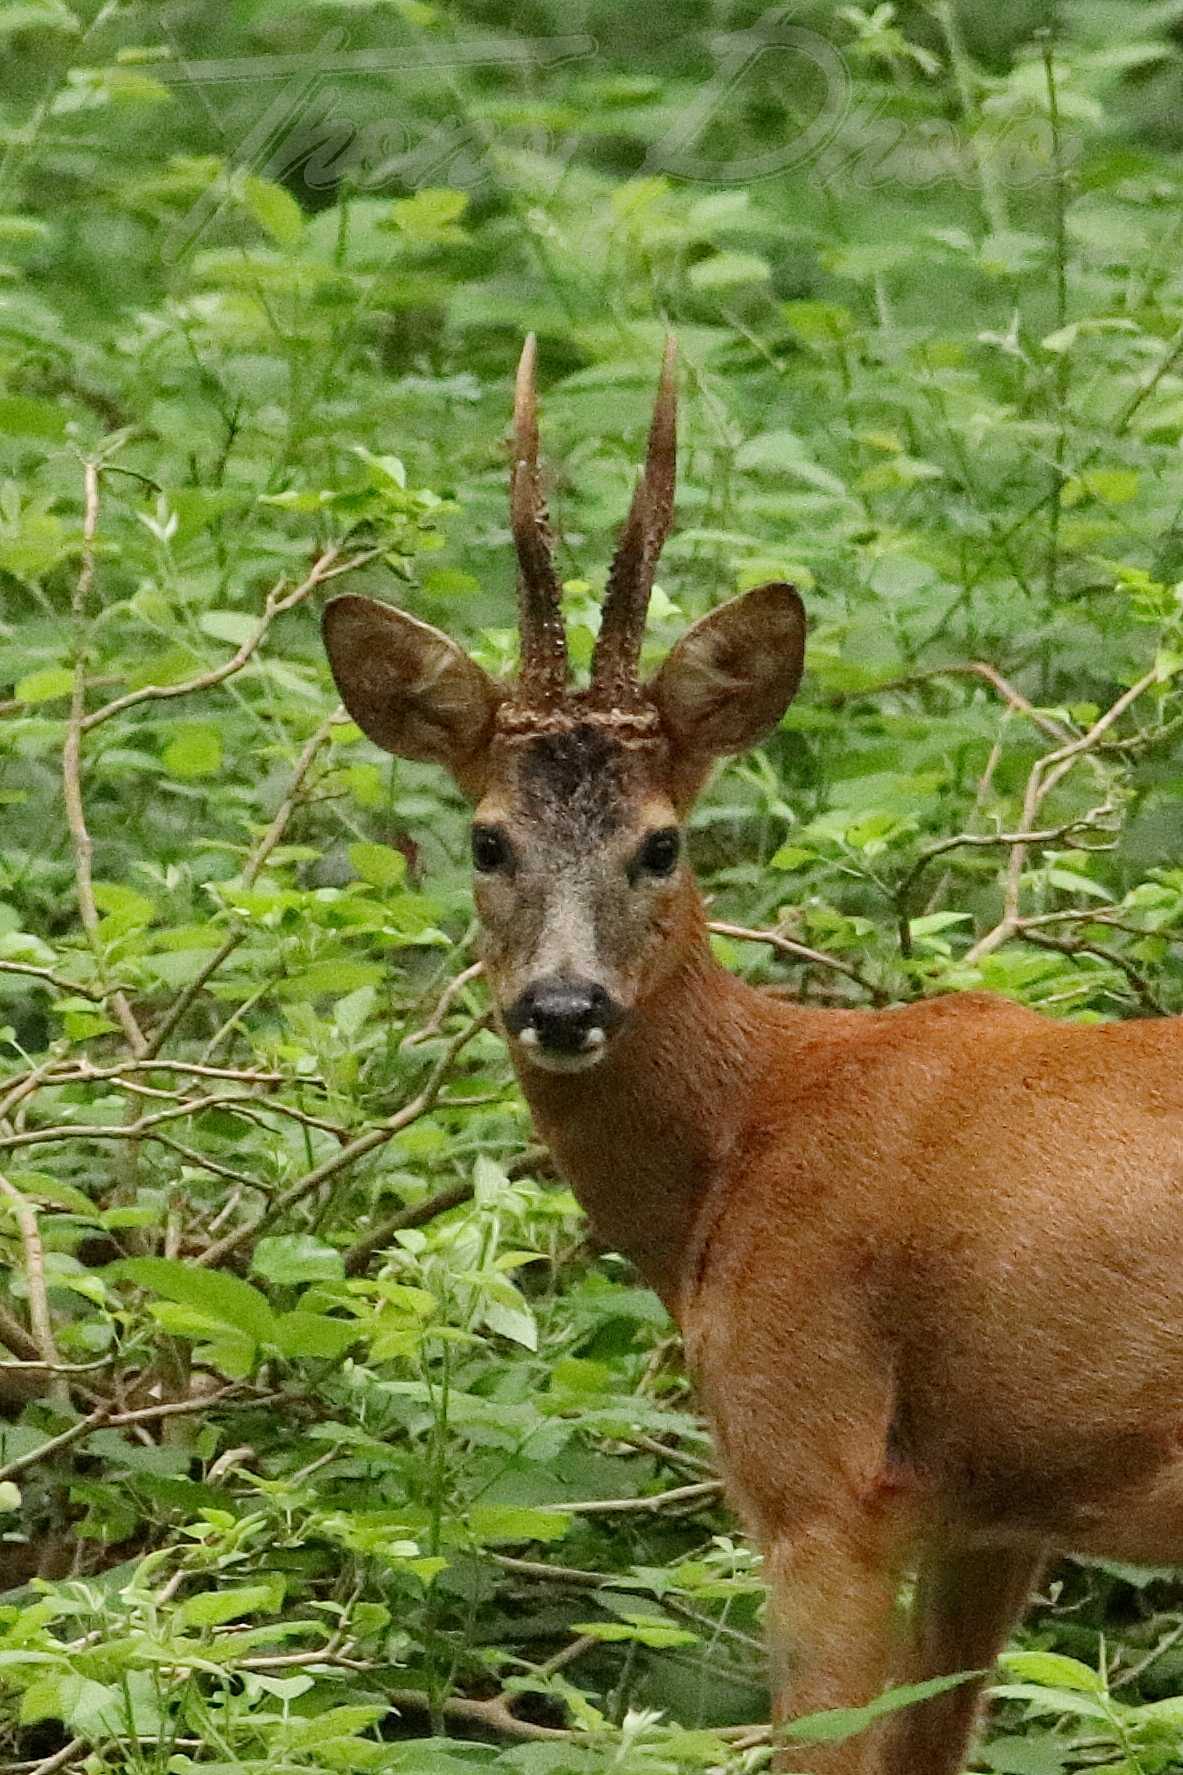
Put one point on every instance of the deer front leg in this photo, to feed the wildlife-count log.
(966, 1603)
(832, 1632)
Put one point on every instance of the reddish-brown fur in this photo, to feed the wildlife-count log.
(928, 1262)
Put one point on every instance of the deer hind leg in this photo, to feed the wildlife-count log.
(833, 1628)
(966, 1605)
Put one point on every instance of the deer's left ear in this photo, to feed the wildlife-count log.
(732, 676)
(409, 688)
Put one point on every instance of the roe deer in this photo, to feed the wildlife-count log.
(927, 1262)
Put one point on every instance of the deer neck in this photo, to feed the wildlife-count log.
(642, 1137)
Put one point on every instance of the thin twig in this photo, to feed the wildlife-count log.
(418, 1106)
(40, 1320)
(698, 1493)
(80, 839)
(14, 1336)
(494, 1715)
(419, 1213)
(102, 1417)
(137, 1130)
(676, 1457)
(984, 841)
(974, 668)
(58, 981)
(287, 806)
(250, 874)
(554, 1574)
(1045, 774)
(1077, 946)
(51, 1764)
(444, 1003)
(1139, 1669)
(801, 952)
(326, 567)
(27, 1085)
(39, 1366)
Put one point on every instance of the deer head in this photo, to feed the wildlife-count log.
(582, 888)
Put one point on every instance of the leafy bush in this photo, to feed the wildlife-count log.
(328, 1444)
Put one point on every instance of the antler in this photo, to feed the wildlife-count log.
(543, 671)
(630, 580)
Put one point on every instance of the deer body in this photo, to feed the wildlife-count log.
(982, 1358)
(927, 1262)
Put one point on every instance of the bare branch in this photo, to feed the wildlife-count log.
(103, 1417)
(974, 668)
(703, 1491)
(40, 1320)
(250, 874)
(357, 1149)
(987, 841)
(1045, 774)
(51, 1764)
(494, 1715)
(801, 952)
(80, 839)
(59, 981)
(326, 567)
(1077, 946)
(135, 1130)
(419, 1213)
(15, 1337)
(444, 1003)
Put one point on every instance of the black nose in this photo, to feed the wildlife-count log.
(564, 1016)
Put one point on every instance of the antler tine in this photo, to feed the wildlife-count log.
(630, 579)
(540, 618)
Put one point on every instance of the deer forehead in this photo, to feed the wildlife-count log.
(580, 785)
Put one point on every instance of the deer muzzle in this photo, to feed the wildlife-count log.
(564, 1025)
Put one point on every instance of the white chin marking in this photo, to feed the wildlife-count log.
(529, 1038)
(591, 1056)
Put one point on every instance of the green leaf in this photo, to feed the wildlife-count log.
(124, 904)
(507, 1313)
(642, 1629)
(490, 1523)
(1112, 486)
(233, 626)
(337, 1723)
(213, 1608)
(792, 856)
(314, 1335)
(330, 979)
(431, 215)
(32, 15)
(23, 417)
(727, 271)
(226, 1299)
(194, 751)
(378, 864)
(839, 1723)
(44, 686)
(1054, 1670)
(274, 209)
(297, 1257)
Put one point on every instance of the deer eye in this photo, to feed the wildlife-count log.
(490, 849)
(660, 852)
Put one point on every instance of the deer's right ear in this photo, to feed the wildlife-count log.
(409, 688)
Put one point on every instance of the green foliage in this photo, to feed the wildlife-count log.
(312, 1386)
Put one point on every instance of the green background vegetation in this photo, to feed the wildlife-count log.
(328, 1443)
